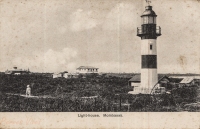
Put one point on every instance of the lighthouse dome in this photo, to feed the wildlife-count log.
(148, 11)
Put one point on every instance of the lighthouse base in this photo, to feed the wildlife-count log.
(139, 90)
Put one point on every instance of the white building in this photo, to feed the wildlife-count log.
(86, 69)
(61, 74)
(16, 71)
(65, 75)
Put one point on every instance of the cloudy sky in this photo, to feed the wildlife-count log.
(57, 35)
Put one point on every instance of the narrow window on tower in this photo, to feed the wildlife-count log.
(151, 46)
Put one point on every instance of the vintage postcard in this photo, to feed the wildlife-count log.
(99, 64)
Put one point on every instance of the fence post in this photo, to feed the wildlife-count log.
(120, 102)
(95, 102)
(62, 103)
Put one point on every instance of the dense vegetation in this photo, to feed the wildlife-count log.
(68, 95)
(41, 85)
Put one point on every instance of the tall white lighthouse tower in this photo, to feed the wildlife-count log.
(148, 32)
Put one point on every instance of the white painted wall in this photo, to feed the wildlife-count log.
(149, 78)
(86, 71)
(145, 47)
(65, 75)
(135, 84)
(57, 75)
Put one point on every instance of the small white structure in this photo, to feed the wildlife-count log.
(135, 81)
(57, 75)
(71, 75)
(86, 69)
(65, 75)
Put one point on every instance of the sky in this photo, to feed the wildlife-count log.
(61, 35)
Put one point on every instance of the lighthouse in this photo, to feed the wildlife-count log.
(148, 32)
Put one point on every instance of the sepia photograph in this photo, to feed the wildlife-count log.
(98, 58)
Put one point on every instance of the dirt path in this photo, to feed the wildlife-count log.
(23, 95)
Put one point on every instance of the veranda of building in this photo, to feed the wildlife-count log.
(87, 69)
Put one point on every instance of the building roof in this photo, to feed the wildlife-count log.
(137, 78)
(56, 73)
(187, 80)
(176, 80)
(86, 67)
(60, 73)
(16, 71)
(74, 74)
(148, 11)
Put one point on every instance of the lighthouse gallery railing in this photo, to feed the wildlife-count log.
(140, 31)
